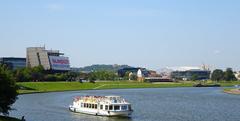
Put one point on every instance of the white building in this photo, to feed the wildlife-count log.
(237, 75)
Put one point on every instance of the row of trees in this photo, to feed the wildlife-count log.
(102, 75)
(39, 74)
(227, 75)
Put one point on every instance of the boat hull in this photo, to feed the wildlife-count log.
(101, 112)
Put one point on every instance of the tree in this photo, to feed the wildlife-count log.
(8, 90)
(102, 75)
(92, 77)
(37, 73)
(72, 76)
(126, 76)
(217, 75)
(229, 75)
(194, 77)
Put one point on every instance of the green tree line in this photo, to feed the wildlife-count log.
(220, 75)
(39, 74)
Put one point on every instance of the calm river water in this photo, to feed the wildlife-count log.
(158, 104)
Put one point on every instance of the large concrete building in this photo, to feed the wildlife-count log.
(13, 62)
(51, 60)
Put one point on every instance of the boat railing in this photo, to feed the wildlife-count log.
(97, 99)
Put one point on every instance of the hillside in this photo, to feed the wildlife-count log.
(101, 67)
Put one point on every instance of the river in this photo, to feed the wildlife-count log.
(153, 104)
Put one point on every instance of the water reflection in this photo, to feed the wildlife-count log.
(98, 118)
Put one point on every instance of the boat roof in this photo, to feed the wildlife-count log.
(112, 96)
(105, 99)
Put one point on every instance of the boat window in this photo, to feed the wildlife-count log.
(95, 106)
(101, 107)
(110, 107)
(89, 106)
(124, 107)
(116, 107)
(106, 107)
(86, 105)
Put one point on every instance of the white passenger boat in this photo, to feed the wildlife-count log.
(101, 105)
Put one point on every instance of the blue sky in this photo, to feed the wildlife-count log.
(147, 33)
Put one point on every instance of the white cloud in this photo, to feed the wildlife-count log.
(55, 7)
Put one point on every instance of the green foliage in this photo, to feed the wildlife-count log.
(126, 76)
(83, 75)
(5, 118)
(71, 76)
(217, 75)
(50, 77)
(8, 90)
(229, 75)
(112, 68)
(133, 77)
(102, 75)
(29, 74)
(194, 77)
(92, 76)
(38, 74)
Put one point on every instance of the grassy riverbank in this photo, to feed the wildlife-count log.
(34, 87)
(5, 118)
(232, 91)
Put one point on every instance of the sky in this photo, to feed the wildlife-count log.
(144, 33)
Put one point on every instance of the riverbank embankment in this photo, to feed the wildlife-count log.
(5, 118)
(40, 87)
(232, 91)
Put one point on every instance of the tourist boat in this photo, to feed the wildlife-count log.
(101, 105)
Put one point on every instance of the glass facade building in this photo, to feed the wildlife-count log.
(190, 74)
(13, 63)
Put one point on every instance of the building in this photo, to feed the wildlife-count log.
(51, 60)
(237, 75)
(188, 73)
(153, 73)
(122, 72)
(140, 76)
(13, 62)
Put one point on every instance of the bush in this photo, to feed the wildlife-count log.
(8, 90)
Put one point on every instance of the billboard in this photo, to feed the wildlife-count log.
(59, 63)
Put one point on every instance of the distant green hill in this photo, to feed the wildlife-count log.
(100, 67)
